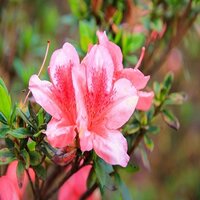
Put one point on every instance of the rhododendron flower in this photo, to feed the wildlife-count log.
(93, 99)
(134, 75)
(9, 188)
(76, 186)
(57, 97)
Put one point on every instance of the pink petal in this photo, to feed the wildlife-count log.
(11, 174)
(145, 100)
(62, 58)
(135, 76)
(113, 49)
(111, 146)
(60, 133)
(125, 99)
(8, 190)
(76, 186)
(99, 68)
(43, 94)
(86, 140)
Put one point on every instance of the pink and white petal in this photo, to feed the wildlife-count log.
(79, 83)
(99, 68)
(86, 140)
(61, 60)
(44, 96)
(60, 133)
(123, 104)
(111, 146)
(135, 76)
(145, 100)
(113, 49)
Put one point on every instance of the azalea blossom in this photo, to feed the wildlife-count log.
(9, 187)
(137, 78)
(76, 186)
(93, 99)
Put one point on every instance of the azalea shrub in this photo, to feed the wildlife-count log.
(75, 132)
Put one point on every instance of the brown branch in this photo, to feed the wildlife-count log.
(89, 192)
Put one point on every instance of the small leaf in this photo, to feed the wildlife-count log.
(145, 159)
(153, 129)
(132, 168)
(168, 80)
(133, 128)
(148, 143)
(6, 156)
(122, 188)
(156, 88)
(102, 170)
(170, 119)
(92, 178)
(20, 133)
(9, 143)
(3, 119)
(35, 158)
(41, 172)
(20, 173)
(4, 131)
(5, 102)
(26, 158)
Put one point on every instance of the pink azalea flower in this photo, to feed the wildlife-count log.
(134, 75)
(76, 186)
(93, 98)
(57, 97)
(9, 188)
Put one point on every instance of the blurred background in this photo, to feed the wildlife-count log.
(170, 31)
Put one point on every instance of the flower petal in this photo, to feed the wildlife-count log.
(145, 100)
(124, 102)
(111, 146)
(60, 60)
(60, 133)
(8, 190)
(99, 69)
(113, 49)
(42, 92)
(136, 77)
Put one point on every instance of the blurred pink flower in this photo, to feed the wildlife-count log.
(76, 186)
(136, 77)
(9, 188)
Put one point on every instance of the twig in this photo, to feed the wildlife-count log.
(31, 182)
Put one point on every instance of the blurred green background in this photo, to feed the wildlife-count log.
(173, 171)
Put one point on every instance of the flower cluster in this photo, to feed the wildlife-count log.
(90, 100)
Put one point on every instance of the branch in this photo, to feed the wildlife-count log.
(89, 192)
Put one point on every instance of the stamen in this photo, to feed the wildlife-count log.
(41, 68)
(140, 59)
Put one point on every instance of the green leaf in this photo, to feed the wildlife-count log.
(131, 168)
(122, 188)
(35, 158)
(102, 170)
(41, 172)
(3, 119)
(92, 178)
(6, 156)
(9, 143)
(168, 80)
(78, 8)
(148, 143)
(20, 173)
(153, 129)
(24, 117)
(87, 31)
(133, 128)
(170, 119)
(4, 131)
(156, 88)
(20, 133)
(5, 101)
(26, 158)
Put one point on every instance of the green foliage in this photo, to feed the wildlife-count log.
(6, 156)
